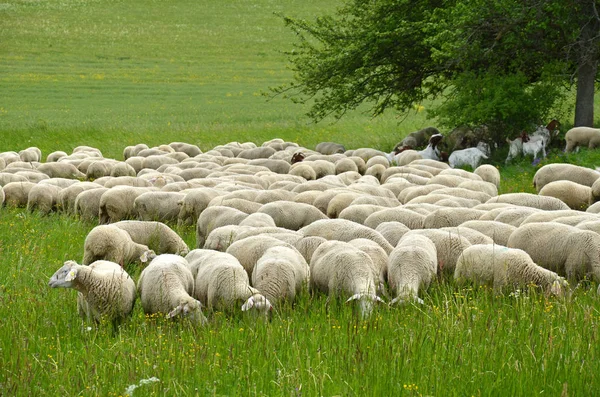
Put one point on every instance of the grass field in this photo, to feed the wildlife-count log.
(114, 73)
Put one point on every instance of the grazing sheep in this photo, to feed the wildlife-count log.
(570, 172)
(195, 201)
(472, 235)
(379, 259)
(530, 200)
(220, 238)
(410, 219)
(564, 249)
(258, 219)
(214, 217)
(480, 186)
(582, 137)
(187, 148)
(499, 232)
(55, 156)
(125, 181)
(594, 208)
(104, 289)
(412, 266)
(43, 198)
(166, 286)
(339, 269)
(68, 195)
(292, 215)
(344, 230)
(392, 231)
(280, 274)
(221, 283)
(243, 205)
(158, 206)
(248, 250)
(358, 213)
(116, 203)
(87, 203)
(330, 148)
(131, 151)
(548, 216)
(575, 195)
(595, 192)
(501, 267)
(108, 242)
(30, 155)
(6, 178)
(61, 170)
(514, 216)
(159, 237)
(488, 173)
(408, 156)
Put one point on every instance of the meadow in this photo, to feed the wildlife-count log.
(109, 74)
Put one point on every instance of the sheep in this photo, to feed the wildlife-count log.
(304, 171)
(131, 151)
(359, 212)
(402, 170)
(376, 171)
(407, 157)
(480, 186)
(345, 165)
(392, 231)
(379, 261)
(575, 195)
(157, 236)
(502, 267)
(60, 182)
(105, 292)
(367, 153)
(258, 219)
(344, 230)
(117, 203)
(488, 173)
(412, 265)
(330, 148)
(409, 218)
(472, 235)
(100, 168)
(16, 194)
(195, 201)
(43, 198)
(158, 206)
(55, 156)
(582, 136)
(166, 286)
(339, 269)
(446, 217)
(515, 216)
(292, 215)
(548, 216)
(61, 170)
(594, 208)
(280, 274)
(530, 200)
(554, 172)
(307, 245)
(448, 246)
(187, 148)
(499, 232)
(594, 192)
(247, 206)
(6, 178)
(577, 219)
(31, 154)
(108, 242)
(220, 238)
(412, 192)
(214, 217)
(87, 203)
(222, 282)
(470, 156)
(564, 249)
(444, 200)
(465, 193)
(248, 249)
(68, 195)
(124, 181)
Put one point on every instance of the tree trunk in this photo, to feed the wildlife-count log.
(584, 104)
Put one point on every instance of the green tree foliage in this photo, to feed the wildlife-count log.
(503, 63)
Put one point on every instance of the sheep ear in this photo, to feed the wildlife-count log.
(353, 297)
(249, 304)
(144, 257)
(378, 299)
(175, 312)
(71, 275)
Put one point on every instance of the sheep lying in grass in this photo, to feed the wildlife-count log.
(108, 242)
(105, 290)
(412, 266)
(166, 286)
(503, 267)
(339, 269)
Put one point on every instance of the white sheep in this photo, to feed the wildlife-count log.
(214, 217)
(582, 137)
(514, 216)
(470, 156)
(220, 238)
(43, 198)
(248, 250)
(221, 283)
(530, 200)
(87, 203)
(392, 231)
(68, 195)
(280, 274)
(157, 236)
(488, 173)
(31, 154)
(166, 286)
(502, 267)
(564, 249)
(195, 201)
(341, 270)
(117, 203)
(412, 265)
(292, 215)
(104, 289)
(575, 195)
(499, 232)
(158, 206)
(330, 148)
(410, 219)
(187, 148)
(559, 171)
(61, 170)
(108, 242)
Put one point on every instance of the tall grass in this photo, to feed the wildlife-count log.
(112, 73)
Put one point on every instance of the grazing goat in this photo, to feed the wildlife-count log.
(470, 156)
(515, 147)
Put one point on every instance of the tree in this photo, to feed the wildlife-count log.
(394, 54)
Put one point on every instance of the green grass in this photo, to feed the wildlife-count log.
(114, 73)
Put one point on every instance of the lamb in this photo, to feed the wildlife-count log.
(499, 232)
(105, 292)
(470, 156)
(530, 200)
(280, 274)
(582, 136)
(214, 217)
(292, 215)
(339, 269)
(344, 230)
(222, 282)
(502, 267)
(575, 195)
(166, 286)
(412, 266)
(87, 203)
(558, 171)
(488, 173)
(108, 242)
(157, 236)
(564, 249)
(158, 206)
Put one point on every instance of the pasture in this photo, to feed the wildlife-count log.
(110, 74)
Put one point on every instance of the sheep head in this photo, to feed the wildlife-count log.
(559, 286)
(191, 310)
(63, 277)
(259, 303)
(366, 302)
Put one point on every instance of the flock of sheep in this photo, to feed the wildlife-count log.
(275, 219)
